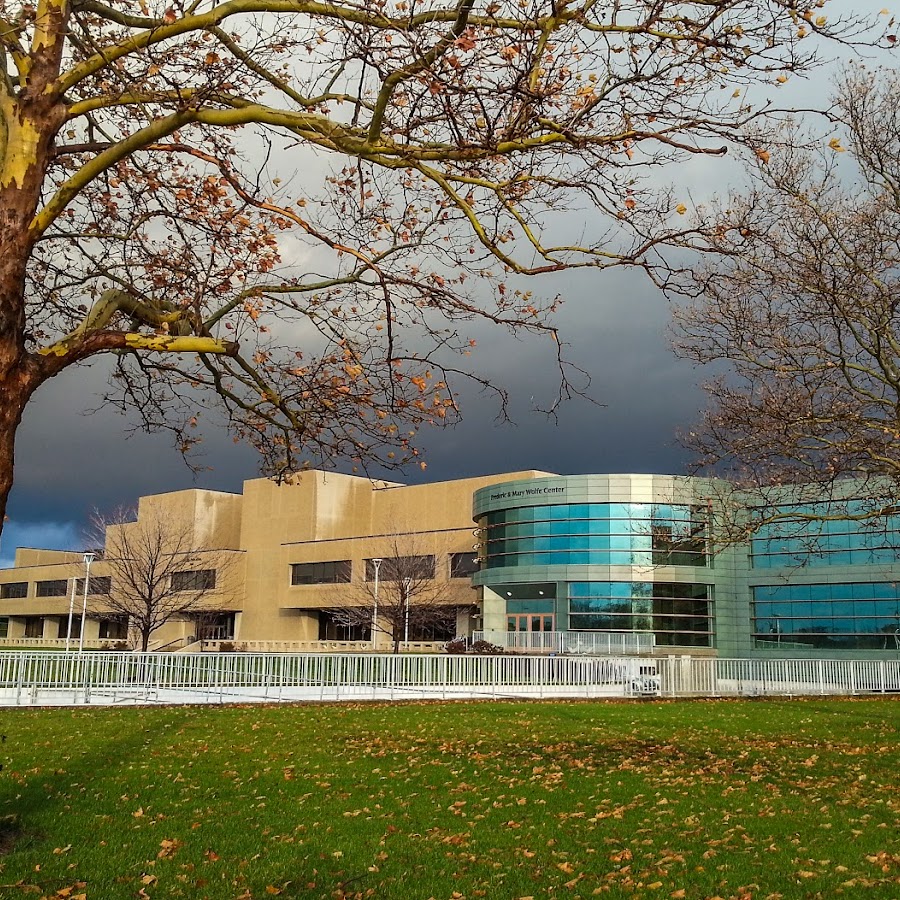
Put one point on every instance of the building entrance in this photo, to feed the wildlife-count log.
(530, 622)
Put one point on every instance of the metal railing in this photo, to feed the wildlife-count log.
(593, 643)
(47, 678)
(323, 646)
(57, 643)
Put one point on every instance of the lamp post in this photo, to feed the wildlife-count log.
(71, 610)
(377, 564)
(406, 618)
(88, 559)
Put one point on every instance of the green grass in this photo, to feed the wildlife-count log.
(701, 799)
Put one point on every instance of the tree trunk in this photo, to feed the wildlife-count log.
(13, 397)
(20, 373)
(145, 640)
(28, 126)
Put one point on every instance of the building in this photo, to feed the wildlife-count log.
(527, 553)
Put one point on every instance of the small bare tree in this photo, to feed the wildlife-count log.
(400, 594)
(157, 573)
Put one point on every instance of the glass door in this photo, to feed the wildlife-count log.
(529, 622)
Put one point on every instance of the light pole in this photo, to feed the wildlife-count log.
(88, 559)
(377, 564)
(406, 618)
(71, 610)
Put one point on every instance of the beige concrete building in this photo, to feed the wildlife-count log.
(275, 563)
(579, 563)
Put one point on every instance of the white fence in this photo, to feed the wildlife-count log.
(44, 678)
(592, 643)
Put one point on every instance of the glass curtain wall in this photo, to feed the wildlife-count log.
(678, 614)
(596, 534)
(792, 542)
(862, 616)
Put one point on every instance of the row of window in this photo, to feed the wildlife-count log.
(673, 513)
(826, 640)
(827, 616)
(113, 628)
(599, 558)
(605, 542)
(863, 590)
(597, 526)
(677, 614)
(824, 543)
(333, 627)
(100, 585)
(884, 556)
(791, 542)
(396, 568)
(847, 515)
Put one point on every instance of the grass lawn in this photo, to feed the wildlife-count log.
(730, 799)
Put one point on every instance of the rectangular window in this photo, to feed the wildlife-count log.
(98, 584)
(194, 580)
(333, 572)
(34, 626)
(57, 588)
(63, 628)
(463, 565)
(114, 628)
(401, 568)
(15, 590)
(837, 617)
(4, 626)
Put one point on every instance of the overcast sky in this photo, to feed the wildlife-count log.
(70, 461)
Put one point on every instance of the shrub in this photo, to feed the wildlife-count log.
(486, 648)
(457, 645)
(226, 647)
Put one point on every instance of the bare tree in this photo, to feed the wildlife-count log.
(156, 572)
(802, 306)
(402, 593)
(151, 207)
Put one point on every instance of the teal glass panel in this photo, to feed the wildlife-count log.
(520, 607)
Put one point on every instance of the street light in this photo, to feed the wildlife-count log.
(406, 617)
(71, 610)
(377, 564)
(88, 559)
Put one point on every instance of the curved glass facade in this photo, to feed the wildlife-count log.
(634, 554)
(606, 534)
(828, 542)
(678, 614)
(860, 616)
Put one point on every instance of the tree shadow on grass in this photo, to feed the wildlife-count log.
(34, 798)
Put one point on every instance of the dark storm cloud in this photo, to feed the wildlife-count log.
(69, 462)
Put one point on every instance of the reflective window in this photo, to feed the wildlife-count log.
(797, 541)
(194, 580)
(462, 565)
(15, 590)
(331, 572)
(596, 534)
(678, 614)
(859, 616)
(56, 588)
(401, 568)
(98, 585)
